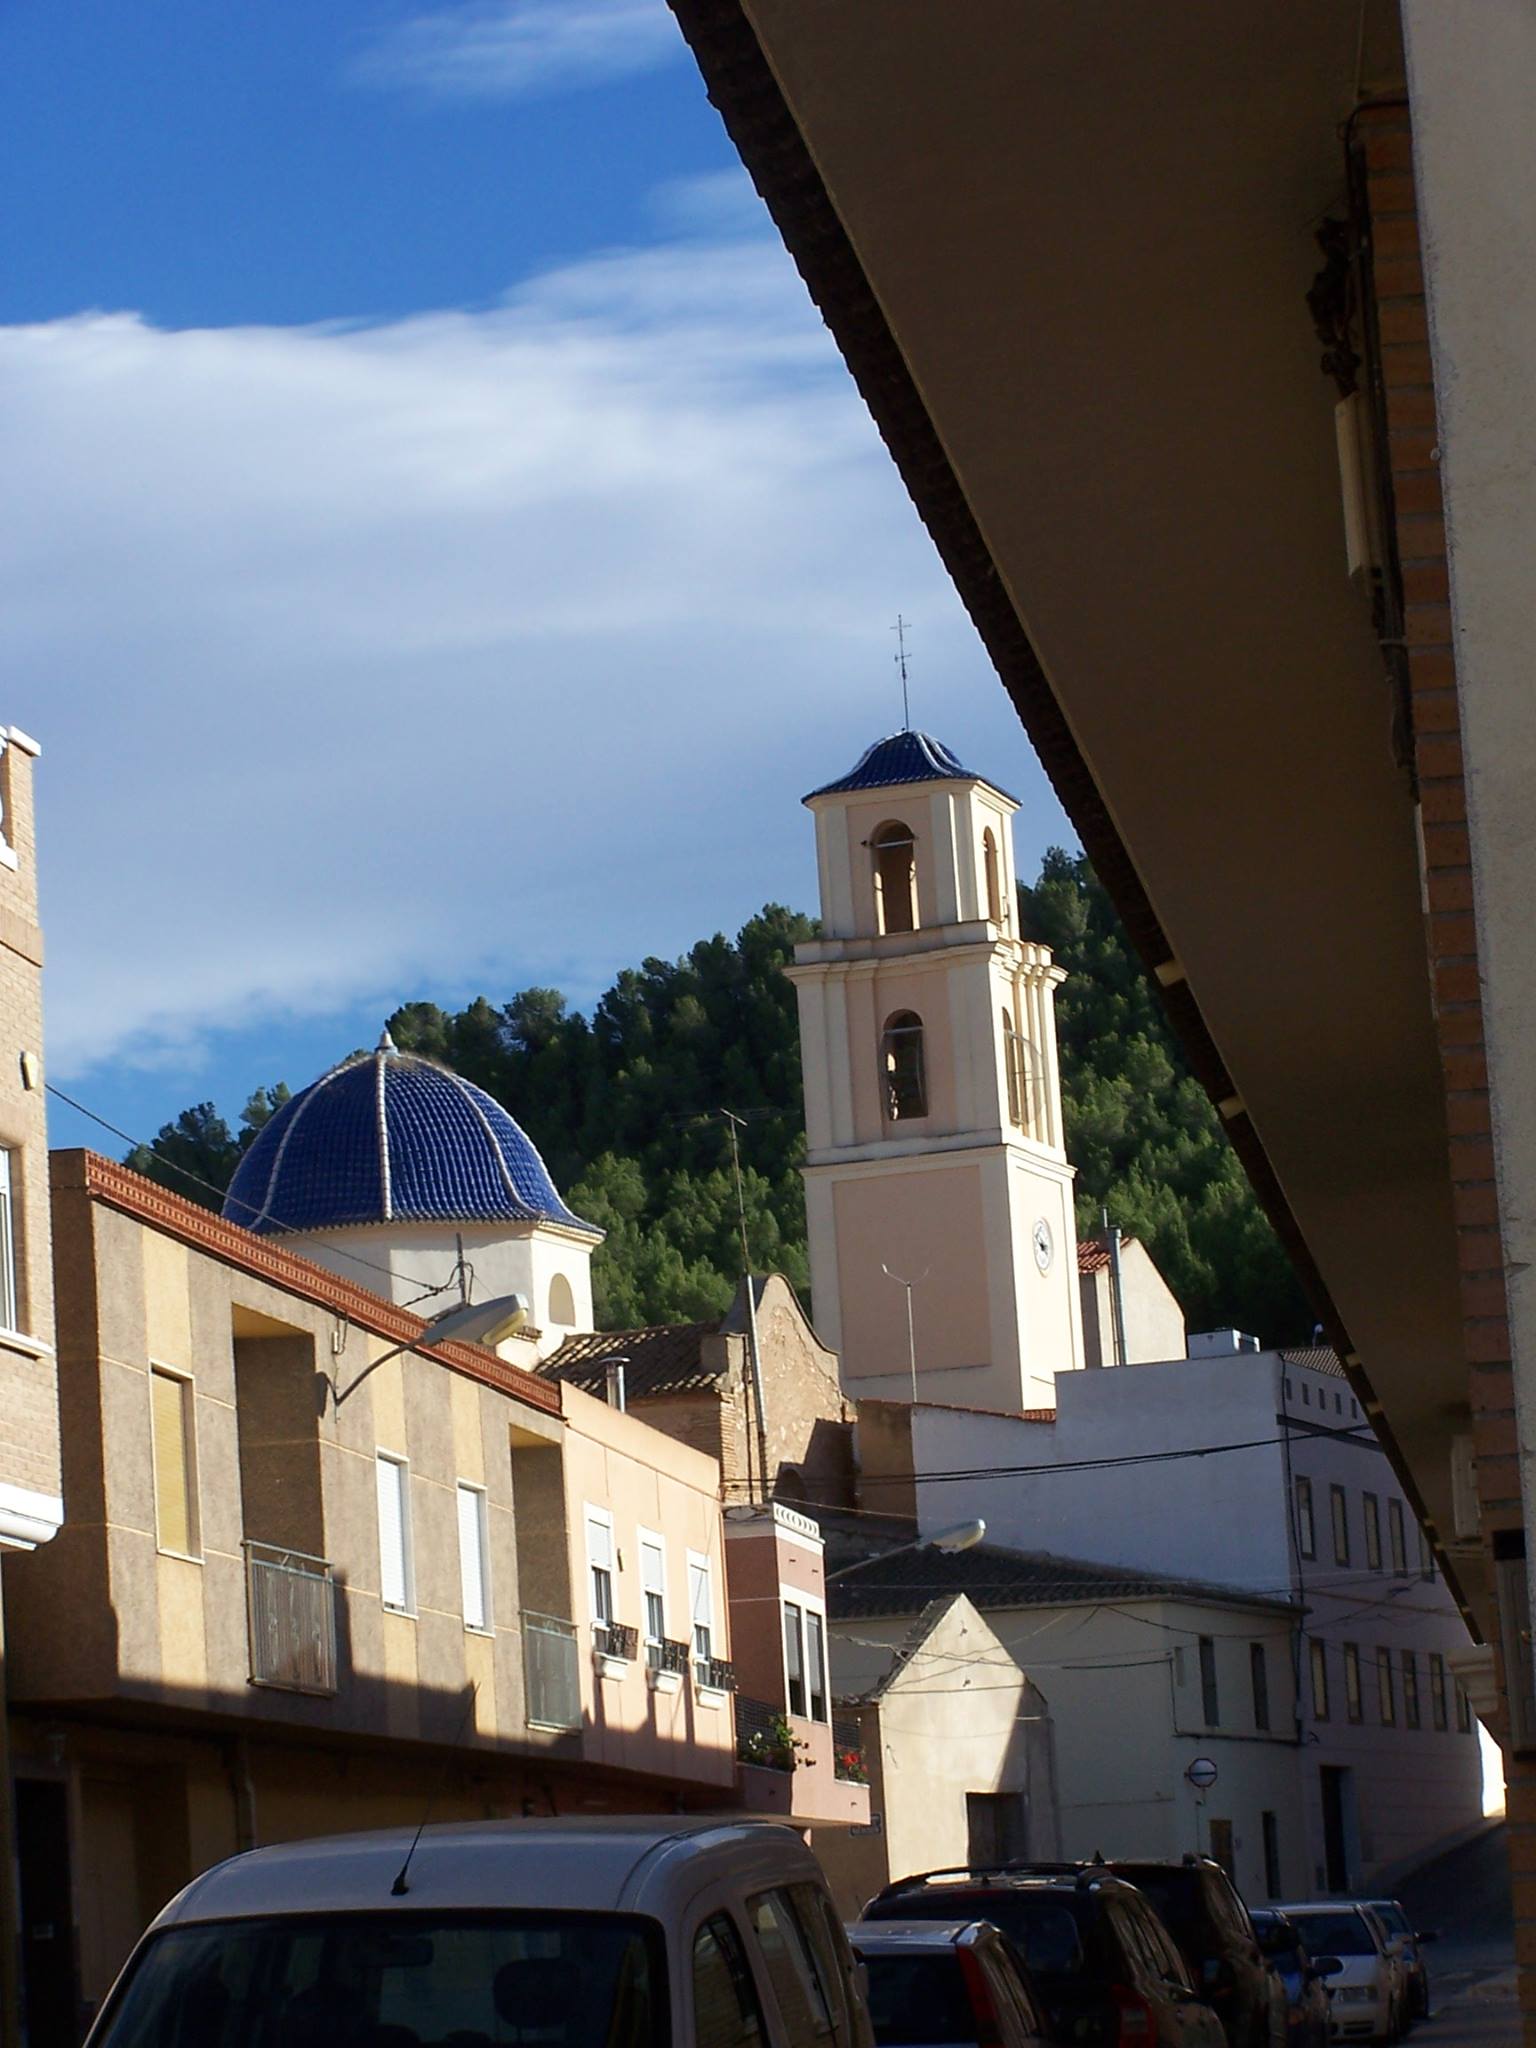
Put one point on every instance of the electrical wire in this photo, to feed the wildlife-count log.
(198, 1180)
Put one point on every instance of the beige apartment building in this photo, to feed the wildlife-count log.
(320, 1572)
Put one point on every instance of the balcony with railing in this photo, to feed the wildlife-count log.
(797, 1768)
(714, 1674)
(551, 1672)
(615, 1641)
(848, 1761)
(291, 1609)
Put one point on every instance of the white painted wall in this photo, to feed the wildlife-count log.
(1109, 1495)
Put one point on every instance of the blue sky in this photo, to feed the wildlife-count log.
(451, 544)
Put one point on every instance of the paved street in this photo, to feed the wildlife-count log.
(1465, 1896)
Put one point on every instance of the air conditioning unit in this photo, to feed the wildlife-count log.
(1465, 1526)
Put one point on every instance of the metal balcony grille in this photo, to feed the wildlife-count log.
(664, 1655)
(848, 1761)
(291, 1611)
(615, 1639)
(716, 1674)
(551, 1677)
(762, 1735)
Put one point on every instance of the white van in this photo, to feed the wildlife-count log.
(621, 1933)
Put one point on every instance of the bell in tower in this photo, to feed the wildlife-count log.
(932, 1101)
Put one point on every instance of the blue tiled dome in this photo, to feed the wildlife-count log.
(903, 757)
(389, 1137)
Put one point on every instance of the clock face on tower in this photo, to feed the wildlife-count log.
(1044, 1244)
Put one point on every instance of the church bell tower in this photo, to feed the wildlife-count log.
(932, 1100)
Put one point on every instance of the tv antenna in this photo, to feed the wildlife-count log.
(901, 629)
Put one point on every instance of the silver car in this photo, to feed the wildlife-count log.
(1369, 1990)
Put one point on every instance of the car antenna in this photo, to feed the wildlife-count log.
(400, 1887)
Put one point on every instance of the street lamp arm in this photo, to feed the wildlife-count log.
(482, 1322)
(962, 1536)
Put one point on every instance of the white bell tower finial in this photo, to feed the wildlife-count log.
(932, 1099)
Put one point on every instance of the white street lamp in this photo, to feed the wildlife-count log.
(959, 1536)
(472, 1322)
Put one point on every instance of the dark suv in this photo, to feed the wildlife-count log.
(1105, 1967)
(1203, 1911)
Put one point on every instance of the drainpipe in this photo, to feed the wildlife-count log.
(1116, 1291)
(238, 1758)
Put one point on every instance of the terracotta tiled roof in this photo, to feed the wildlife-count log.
(904, 1581)
(1316, 1358)
(1092, 1255)
(120, 1188)
(665, 1359)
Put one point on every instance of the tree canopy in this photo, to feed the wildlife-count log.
(628, 1107)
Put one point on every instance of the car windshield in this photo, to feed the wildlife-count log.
(1392, 1917)
(918, 1999)
(1276, 1940)
(1334, 1934)
(1045, 1925)
(408, 1980)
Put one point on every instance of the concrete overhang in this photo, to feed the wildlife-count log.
(1066, 252)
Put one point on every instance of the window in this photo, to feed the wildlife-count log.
(474, 1558)
(1210, 1697)
(8, 1308)
(1463, 1713)
(600, 1566)
(895, 852)
(1371, 1508)
(726, 2013)
(393, 1479)
(653, 1588)
(1395, 1538)
(1437, 1712)
(1319, 1656)
(1386, 1689)
(901, 1067)
(1306, 1528)
(562, 1302)
(794, 1658)
(1259, 1673)
(175, 1456)
(1339, 1504)
(816, 1654)
(1271, 1826)
(701, 1615)
(1354, 1710)
(990, 875)
(1306, 1393)
(1411, 1688)
(1426, 1557)
(1013, 1068)
(785, 1946)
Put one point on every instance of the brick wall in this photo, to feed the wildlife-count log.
(1385, 138)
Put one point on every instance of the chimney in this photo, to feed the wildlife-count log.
(615, 1371)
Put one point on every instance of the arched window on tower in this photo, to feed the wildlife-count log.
(895, 852)
(1013, 1068)
(990, 871)
(562, 1303)
(901, 1067)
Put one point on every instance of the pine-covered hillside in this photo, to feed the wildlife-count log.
(627, 1107)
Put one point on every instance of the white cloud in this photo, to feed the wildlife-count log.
(491, 646)
(520, 49)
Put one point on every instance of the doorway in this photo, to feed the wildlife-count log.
(50, 1996)
(1338, 1825)
(996, 1828)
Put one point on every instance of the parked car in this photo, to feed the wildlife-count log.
(947, 1984)
(1394, 1917)
(627, 1932)
(1369, 1989)
(1309, 2011)
(1204, 1912)
(1107, 1970)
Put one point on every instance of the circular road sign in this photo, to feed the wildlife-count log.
(1201, 1774)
